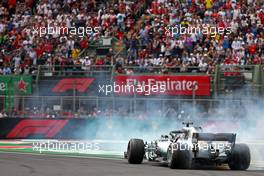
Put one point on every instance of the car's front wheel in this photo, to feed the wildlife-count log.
(135, 151)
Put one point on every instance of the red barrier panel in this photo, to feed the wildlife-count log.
(162, 85)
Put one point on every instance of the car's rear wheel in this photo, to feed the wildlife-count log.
(240, 157)
(135, 151)
(179, 159)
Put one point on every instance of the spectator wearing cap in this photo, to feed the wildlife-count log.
(86, 63)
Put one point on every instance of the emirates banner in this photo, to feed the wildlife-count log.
(162, 85)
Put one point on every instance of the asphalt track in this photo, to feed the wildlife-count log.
(15, 164)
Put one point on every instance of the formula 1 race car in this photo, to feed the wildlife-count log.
(188, 147)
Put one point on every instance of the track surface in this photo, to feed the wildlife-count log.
(13, 164)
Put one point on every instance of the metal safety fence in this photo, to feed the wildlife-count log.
(84, 106)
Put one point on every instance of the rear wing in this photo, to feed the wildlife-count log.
(230, 137)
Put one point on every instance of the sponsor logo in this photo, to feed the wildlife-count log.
(2, 86)
(168, 85)
(47, 128)
(79, 84)
(22, 85)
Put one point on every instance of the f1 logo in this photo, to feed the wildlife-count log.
(27, 127)
(80, 84)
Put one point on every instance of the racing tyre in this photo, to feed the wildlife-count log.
(135, 151)
(179, 159)
(240, 158)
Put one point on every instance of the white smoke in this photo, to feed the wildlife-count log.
(243, 116)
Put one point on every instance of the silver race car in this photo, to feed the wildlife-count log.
(188, 147)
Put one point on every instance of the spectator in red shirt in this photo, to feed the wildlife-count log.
(84, 43)
(252, 49)
(12, 7)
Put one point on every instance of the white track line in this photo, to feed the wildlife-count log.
(62, 155)
(88, 157)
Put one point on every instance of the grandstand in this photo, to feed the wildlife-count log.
(57, 73)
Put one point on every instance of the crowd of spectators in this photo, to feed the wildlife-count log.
(242, 45)
(147, 41)
(26, 41)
